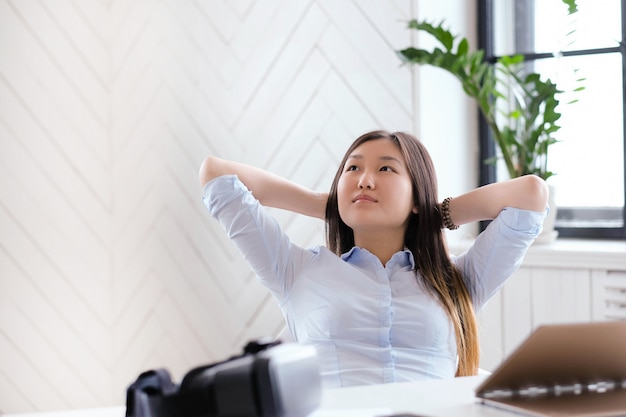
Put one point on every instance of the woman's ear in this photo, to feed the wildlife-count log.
(415, 210)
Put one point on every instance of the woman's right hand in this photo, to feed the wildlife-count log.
(270, 189)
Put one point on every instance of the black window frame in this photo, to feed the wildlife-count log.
(487, 148)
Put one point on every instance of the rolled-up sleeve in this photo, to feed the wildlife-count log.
(256, 234)
(498, 252)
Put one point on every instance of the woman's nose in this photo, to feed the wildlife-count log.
(366, 181)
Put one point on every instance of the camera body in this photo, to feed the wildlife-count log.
(269, 379)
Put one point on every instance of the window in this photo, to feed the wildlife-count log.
(589, 158)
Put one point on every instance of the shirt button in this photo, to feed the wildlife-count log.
(388, 364)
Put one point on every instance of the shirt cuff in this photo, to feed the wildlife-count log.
(219, 191)
(526, 221)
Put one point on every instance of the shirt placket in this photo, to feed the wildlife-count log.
(385, 316)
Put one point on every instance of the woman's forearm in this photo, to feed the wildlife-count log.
(270, 189)
(528, 192)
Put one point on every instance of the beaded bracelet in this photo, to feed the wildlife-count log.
(445, 214)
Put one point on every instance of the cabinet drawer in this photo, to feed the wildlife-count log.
(609, 295)
(615, 295)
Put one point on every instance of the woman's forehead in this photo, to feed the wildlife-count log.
(382, 149)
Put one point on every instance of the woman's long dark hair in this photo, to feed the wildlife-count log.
(424, 238)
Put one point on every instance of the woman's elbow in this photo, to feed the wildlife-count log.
(536, 192)
(208, 169)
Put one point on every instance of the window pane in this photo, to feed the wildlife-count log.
(593, 26)
(544, 26)
(511, 29)
(589, 159)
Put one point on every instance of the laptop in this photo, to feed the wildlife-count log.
(574, 370)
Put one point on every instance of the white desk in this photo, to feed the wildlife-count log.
(454, 398)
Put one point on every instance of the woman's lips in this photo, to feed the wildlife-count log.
(364, 197)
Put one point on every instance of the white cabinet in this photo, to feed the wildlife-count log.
(609, 295)
(564, 282)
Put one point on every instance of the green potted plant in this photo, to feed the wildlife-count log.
(520, 108)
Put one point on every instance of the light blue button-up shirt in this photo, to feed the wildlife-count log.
(370, 323)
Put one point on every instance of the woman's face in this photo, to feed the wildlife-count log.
(374, 191)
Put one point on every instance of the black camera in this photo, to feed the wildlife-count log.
(269, 379)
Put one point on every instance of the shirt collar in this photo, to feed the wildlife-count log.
(402, 258)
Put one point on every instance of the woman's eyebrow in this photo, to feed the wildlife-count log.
(382, 158)
(390, 158)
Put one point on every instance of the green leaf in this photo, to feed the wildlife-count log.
(511, 60)
(463, 47)
(520, 108)
(571, 6)
(492, 161)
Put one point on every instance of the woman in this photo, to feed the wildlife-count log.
(383, 302)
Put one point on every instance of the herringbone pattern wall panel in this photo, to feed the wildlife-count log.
(109, 263)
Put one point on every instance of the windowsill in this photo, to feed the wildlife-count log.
(578, 253)
(572, 253)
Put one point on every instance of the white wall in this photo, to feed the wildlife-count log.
(445, 119)
(109, 264)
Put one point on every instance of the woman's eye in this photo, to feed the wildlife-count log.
(351, 168)
(388, 169)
